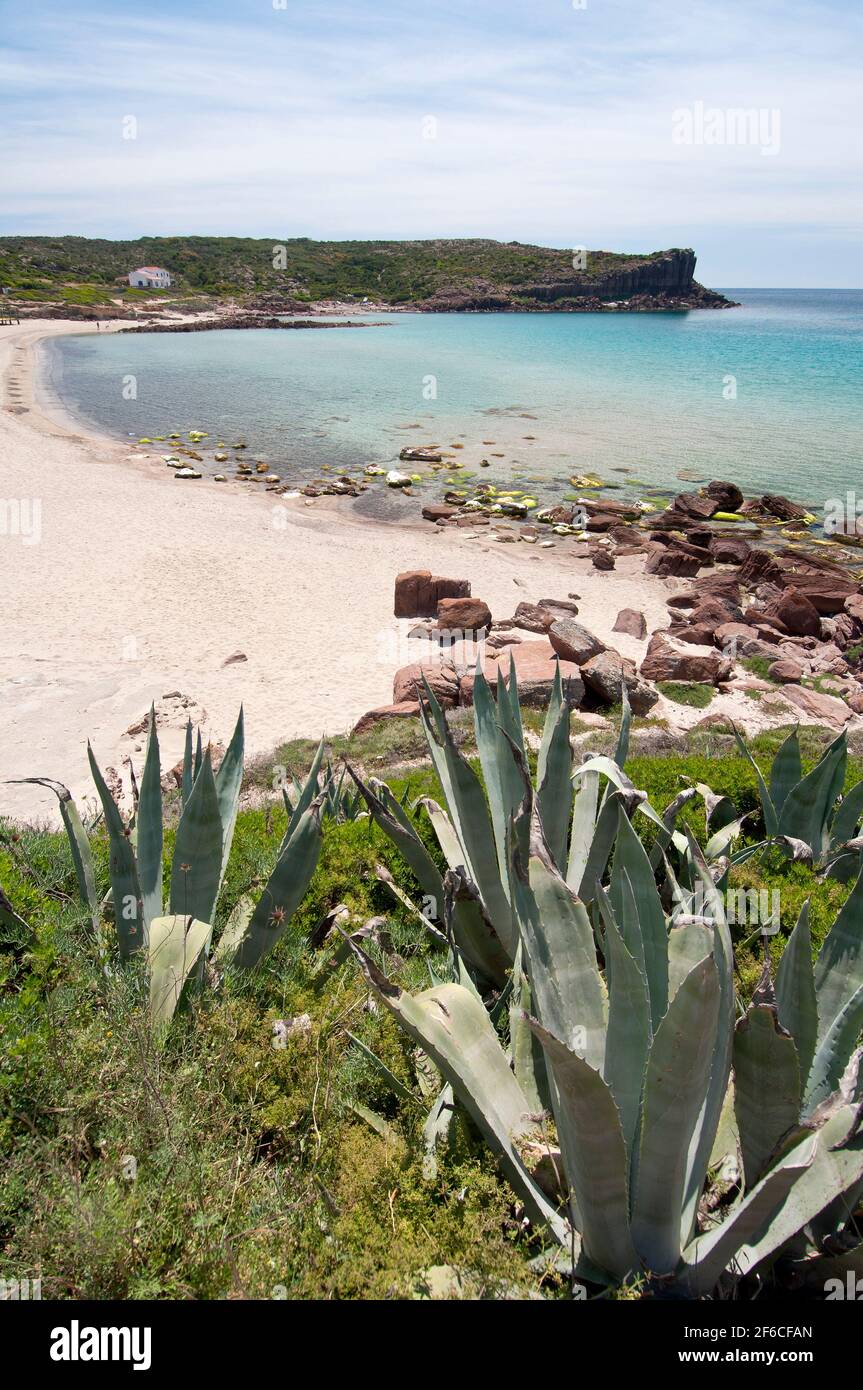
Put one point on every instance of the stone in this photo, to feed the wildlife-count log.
(671, 560)
(440, 676)
(729, 550)
(853, 605)
(438, 511)
(572, 642)
(632, 622)
(776, 505)
(465, 614)
(496, 641)
(797, 614)
(713, 612)
(535, 669)
(234, 658)
(759, 567)
(728, 495)
(532, 617)
(854, 701)
(669, 660)
(787, 671)
(826, 592)
(696, 505)
(560, 607)
(727, 633)
(606, 674)
(812, 702)
(418, 592)
(409, 455)
(383, 712)
(602, 560)
(697, 634)
(186, 473)
(601, 521)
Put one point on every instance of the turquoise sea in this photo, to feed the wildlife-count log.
(769, 395)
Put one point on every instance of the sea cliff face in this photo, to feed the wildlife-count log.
(661, 281)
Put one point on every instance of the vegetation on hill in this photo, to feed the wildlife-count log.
(82, 271)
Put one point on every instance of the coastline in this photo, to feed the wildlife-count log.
(140, 589)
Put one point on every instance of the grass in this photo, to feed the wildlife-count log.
(256, 1174)
(695, 693)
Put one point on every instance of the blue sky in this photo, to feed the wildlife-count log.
(554, 124)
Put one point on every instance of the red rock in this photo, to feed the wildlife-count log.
(672, 561)
(438, 511)
(819, 706)
(759, 567)
(727, 633)
(728, 495)
(697, 634)
(797, 614)
(854, 701)
(776, 505)
(383, 712)
(853, 605)
(603, 560)
(533, 617)
(418, 592)
(787, 671)
(826, 592)
(572, 642)
(605, 675)
(535, 670)
(669, 660)
(465, 614)
(696, 505)
(440, 676)
(729, 550)
(633, 623)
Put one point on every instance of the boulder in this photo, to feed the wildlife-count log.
(605, 676)
(853, 605)
(572, 642)
(438, 511)
(698, 634)
(377, 716)
(727, 633)
(826, 592)
(796, 613)
(817, 705)
(464, 614)
(535, 669)
(787, 671)
(602, 559)
(729, 550)
(420, 455)
(560, 607)
(633, 623)
(440, 676)
(759, 567)
(776, 505)
(728, 495)
(533, 617)
(697, 505)
(669, 660)
(672, 560)
(854, 701)
(418, 592)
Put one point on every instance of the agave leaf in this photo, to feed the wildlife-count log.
(766, 1083)
(470, 817)
(509, 709)
(629, 1032)
(786, 771)
(631, 860)
(79, 845)
(229, 779)
(567, 989)
(397, 826)
(675, 1087)
(472, 930)
(306, 793)
(621, 752)
(710, 1253)
(501, 776)
(149, 840)
(123, 872)
(771, 815)
(196, 868)
(397, 1087)
(807, 807)
(717, 809)
(452, 1026)
(839, 967)
(601, 845)
(834, 1051)
(594, 1156)
(525, 1050)
(666, 834)
(583, 829)
(835, 1168)
(175, 945)
(554, 772)
(708, 1122)
(718, 843)
(284, 892)
(188, 777)
(437, 1129)
(235, 928)
(796, 1002)
(688, 944)
(847, 817)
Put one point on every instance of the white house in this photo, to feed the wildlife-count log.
(149, 277)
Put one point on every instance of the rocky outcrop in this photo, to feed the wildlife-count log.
(670, 660)
(418, 593)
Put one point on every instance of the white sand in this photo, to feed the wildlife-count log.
(142, 584)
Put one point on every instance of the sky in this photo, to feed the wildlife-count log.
(608, 124)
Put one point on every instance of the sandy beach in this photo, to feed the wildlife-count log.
(139, 586)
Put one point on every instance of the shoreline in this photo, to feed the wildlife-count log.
(140, 590)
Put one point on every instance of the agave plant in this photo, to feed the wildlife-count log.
(177, 936)
(653, 1072)
(807, 816)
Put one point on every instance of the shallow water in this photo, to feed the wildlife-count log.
(768, 395)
